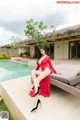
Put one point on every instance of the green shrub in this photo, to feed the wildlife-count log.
(21, 54)
(4, 56)
(27, 54)
(1, 57)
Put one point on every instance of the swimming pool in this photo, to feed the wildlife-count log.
(10, 70)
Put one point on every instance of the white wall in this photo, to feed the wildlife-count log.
(61, 50)
(11, 52)
(66, 49)
(32, 50)
(22, 50)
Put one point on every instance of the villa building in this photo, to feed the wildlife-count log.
(65, 45)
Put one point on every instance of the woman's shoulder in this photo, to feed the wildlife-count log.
(48, 57)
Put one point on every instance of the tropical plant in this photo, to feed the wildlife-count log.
(15, 41)
(38, 31)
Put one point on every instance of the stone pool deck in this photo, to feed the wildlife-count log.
(33, 61)
(61, 105)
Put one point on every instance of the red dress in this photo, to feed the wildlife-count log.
(44, 83)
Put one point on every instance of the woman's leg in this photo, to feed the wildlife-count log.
(33, 77)
(42, 75)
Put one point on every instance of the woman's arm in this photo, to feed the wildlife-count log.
(49, 61)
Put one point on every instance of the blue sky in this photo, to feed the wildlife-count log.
(14, 13)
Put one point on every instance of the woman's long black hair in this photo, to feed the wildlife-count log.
(39, 55)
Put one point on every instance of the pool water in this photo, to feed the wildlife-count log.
(10, 70)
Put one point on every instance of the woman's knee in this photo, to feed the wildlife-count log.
(32, 71)
(47, 71)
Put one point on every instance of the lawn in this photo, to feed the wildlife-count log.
(3, 107)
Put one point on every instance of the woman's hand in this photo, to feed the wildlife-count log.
(59, 73)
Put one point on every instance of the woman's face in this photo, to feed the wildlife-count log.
(42, 51)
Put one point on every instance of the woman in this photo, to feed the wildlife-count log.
(41, 76)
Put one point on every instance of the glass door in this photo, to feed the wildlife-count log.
(78, 49)
(74, 50)
(50, 50)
